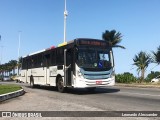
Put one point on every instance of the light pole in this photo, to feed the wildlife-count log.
(1, 54)
(65, 18)
(19, 43)
(1, 51)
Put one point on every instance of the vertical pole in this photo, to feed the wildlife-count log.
(65, 62)
(1, 54)
(19, 43)
(65, 18)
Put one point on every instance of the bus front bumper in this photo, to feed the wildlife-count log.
(85, 83)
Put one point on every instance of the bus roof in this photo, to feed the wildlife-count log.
(85, 41)
(34, 53)
(77, 42)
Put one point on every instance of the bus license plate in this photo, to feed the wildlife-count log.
(98, 82)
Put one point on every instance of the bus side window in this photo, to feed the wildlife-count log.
(29, 62)
(39, 60)
(24, 63)
(47, 60)
(32, 62)
(60, 56)
(53, 58)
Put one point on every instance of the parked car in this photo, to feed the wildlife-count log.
(16, 78)
(6, 78)
(157, 79)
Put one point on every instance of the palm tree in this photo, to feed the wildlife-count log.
(156, 56)
(112, 38)
(1, 70)
(4, 69)
(142, 60)
(7, 68)
(13, 64)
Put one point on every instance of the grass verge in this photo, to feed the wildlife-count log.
(9, 88)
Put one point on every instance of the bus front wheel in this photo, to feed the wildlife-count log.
(60, 85)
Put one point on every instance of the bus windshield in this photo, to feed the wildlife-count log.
(93, 58)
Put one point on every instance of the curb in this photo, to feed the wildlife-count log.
(10, 95)
(138, 86)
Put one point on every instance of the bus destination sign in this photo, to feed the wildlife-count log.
(92, 42)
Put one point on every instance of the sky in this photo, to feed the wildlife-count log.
(41, 24)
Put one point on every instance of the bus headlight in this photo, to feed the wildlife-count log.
(113, 74)
(79, 74)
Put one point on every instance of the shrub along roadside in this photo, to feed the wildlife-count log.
(130, 78)
(125, 78)
(9, 88)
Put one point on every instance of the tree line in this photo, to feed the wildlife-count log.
(9, 68)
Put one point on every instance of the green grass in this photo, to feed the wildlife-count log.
(8, 88)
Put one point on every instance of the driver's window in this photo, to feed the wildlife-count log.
(104, 57)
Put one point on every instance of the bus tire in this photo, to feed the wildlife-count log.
(60, 85)
(32, 81)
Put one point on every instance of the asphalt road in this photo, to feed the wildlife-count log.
(103, 99)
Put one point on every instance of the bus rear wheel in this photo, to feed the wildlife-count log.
(60, 85)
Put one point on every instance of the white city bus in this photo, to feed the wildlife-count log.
(80, 63)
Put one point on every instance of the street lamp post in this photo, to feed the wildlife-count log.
(65, 18)
(1, 51)
(19, 43)
(1, 54)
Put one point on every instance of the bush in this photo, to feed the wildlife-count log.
(151, 75)
(125, 78)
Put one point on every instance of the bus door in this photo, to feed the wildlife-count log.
(68, 56)
(47, 71)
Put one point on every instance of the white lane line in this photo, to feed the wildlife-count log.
(140, 94)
